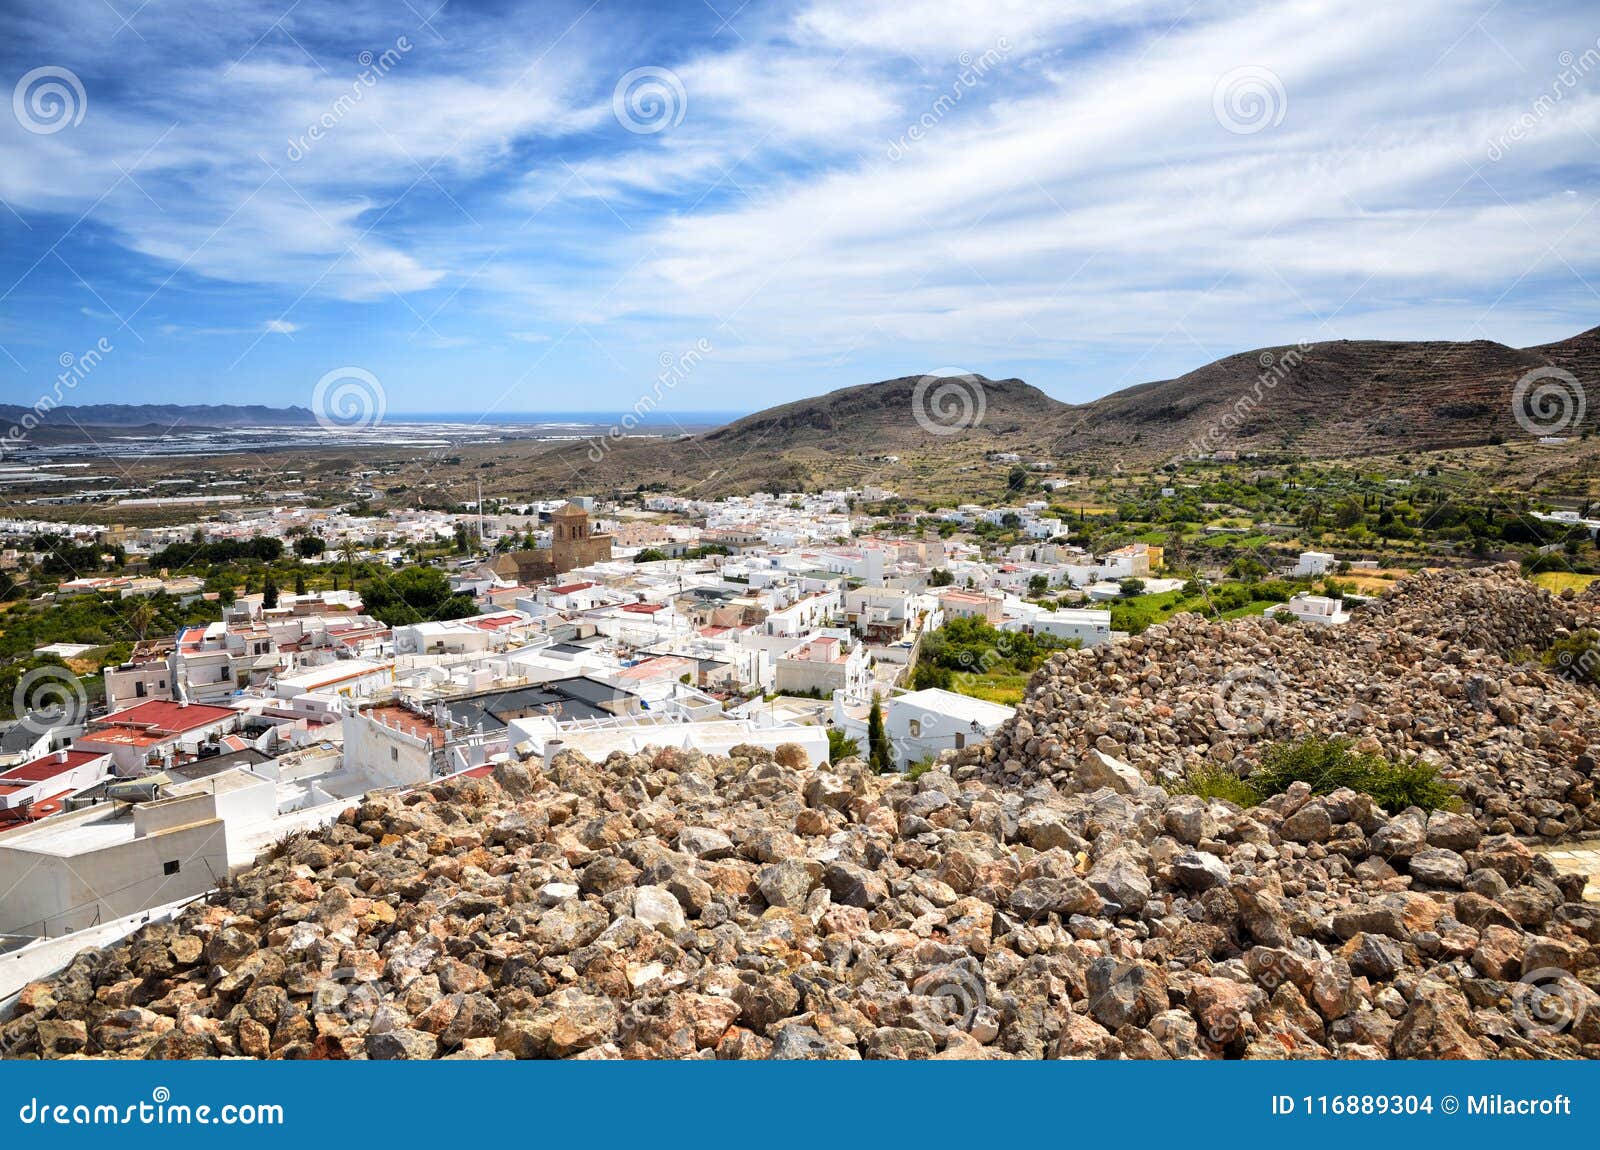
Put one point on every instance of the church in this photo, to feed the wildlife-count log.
(573, 543)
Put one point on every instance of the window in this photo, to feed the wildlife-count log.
(394, 754)
(138, 689)
(172, 867)
(916, 728)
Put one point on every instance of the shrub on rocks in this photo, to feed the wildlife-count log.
(672, 904)
(1327, 764)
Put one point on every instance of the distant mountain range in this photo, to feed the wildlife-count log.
(62, 420)
(1342, 397)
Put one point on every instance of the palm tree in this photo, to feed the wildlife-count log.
(141, 617)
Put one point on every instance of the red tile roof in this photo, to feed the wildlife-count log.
(33, 812)
(173, 718)
(48, 767)
(494, 622)
(410, 722)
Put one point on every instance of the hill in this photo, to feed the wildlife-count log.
(1338, 398)
(1343, 397)
(938, 435)
(70, 423)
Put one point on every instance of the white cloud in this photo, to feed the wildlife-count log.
(1080, 194)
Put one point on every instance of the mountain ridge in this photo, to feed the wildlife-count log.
(1335, 398)
(128, 415)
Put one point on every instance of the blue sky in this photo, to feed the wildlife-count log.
(1087, 194)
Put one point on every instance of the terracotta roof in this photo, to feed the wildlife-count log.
(33, 812)
(173, 718)
(49, 766)
(408, 721)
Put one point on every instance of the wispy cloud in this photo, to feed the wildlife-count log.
(1061, 191)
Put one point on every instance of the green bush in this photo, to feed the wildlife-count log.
(1212, 782)
(1577, 655)
(919, 768)
(1326, 764)
(841, 746)
(1330, 763)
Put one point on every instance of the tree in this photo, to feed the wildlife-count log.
(1037, 585)
(309, 546)
(415, 595)
(1131, 587)
(841, 747)
(140, 617)
(939, 577)
(650, 555)
(879, 756)
(299, 582)
(1017, 480)
(221, 582)
(269, 592)
(1347, 513)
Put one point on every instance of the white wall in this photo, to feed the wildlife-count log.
(49, 894)
(714, 738)
(401, 758)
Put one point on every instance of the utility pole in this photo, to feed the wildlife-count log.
(481, 535)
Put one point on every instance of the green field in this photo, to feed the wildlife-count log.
(1007, 689)
(1134, 615)
(1559, 581)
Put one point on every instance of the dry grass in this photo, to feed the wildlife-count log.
(1558, 581)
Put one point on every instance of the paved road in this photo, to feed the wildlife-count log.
(1581, 857)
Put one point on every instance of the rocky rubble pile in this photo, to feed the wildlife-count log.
(1426, 672)
(667, 905)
